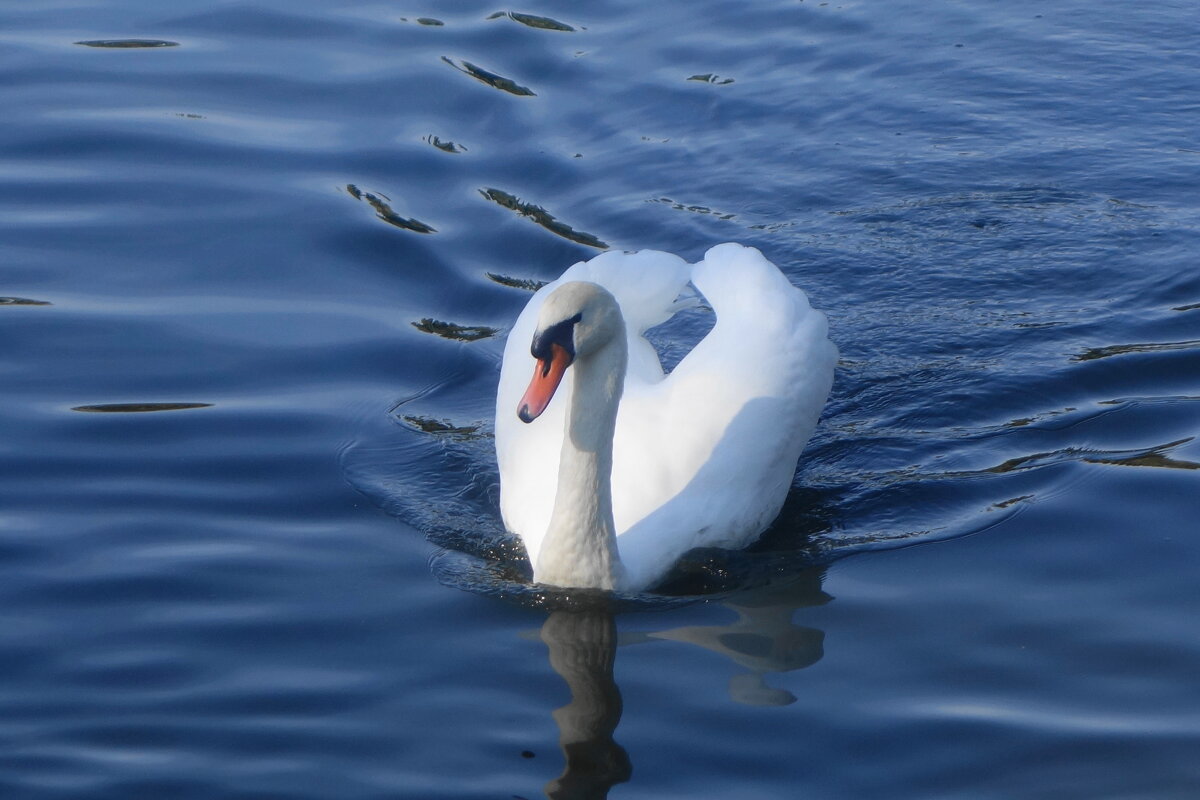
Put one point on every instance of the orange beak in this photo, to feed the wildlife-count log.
(546, 377)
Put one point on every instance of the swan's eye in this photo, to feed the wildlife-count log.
(560, 333)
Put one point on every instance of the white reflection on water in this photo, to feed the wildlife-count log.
(583, 649)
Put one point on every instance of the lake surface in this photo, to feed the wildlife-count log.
(258, 259)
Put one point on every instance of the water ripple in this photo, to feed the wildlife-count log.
(1093, 353)
(533, 21)
(490, 78)
(384, 211)
(542, 217)
(124, 44)
(453, 331)
(136, 408)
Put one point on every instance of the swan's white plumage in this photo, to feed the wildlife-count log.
(701, 457)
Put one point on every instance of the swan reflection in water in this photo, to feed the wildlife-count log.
(583, 648)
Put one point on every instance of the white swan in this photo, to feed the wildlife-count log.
(612, 478)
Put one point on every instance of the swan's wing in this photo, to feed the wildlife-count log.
(706, 456)
(645, 285)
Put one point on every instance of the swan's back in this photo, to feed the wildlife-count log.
(704, 456)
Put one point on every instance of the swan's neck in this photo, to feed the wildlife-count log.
(580, 548)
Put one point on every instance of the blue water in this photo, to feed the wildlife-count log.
(257, 263)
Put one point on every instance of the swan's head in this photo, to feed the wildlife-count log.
(577, 319)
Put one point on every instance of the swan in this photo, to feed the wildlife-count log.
(610, 469)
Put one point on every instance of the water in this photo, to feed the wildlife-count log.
(256, 294)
